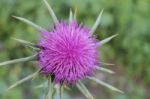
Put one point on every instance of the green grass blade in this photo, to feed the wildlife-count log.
(107, 39)
(24, 79)
(70, 16)
(84, 90)
(105, 70)
(30, 58)
(29, 44)
(51, 12)
(105, 84)
(39, 28)
(97, 22)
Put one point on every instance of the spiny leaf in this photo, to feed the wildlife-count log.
(97, 22)
(51, 12)
(70, 16)
(39, 28)
(105, 70)
(107, 39)
(29, 44)
(104, 84)
(24, 79)
(84, 90)
(30, 58)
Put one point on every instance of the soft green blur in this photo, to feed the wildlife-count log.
(130, 51)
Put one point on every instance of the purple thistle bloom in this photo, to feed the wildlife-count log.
(69, 52)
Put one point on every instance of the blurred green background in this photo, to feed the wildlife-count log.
(130, 51)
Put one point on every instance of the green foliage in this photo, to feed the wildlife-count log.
(129, 18)
(133, 25)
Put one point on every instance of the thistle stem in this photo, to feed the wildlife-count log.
(53, 94)
(50, 89)
(61, 92)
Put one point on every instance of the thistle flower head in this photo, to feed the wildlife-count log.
(69, 52)
(66, 54)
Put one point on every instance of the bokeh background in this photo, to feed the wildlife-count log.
(130, 51)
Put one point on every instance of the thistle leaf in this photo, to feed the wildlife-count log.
(24, 79)
(51, 12)
(97, 22)
(104, 84)
(105, 70)
(29, 44)
(39, 28)
(84, 90)
(107, 39)
(30, 58)
(70, 16)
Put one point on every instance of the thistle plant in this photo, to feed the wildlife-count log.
(66, 55)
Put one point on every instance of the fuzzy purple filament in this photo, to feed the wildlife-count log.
(69, 52)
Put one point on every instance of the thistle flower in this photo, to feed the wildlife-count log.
(69, 52)
(66, 54)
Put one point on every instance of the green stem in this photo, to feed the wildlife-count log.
(50, 89)
(53, 94)
(61, 91)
